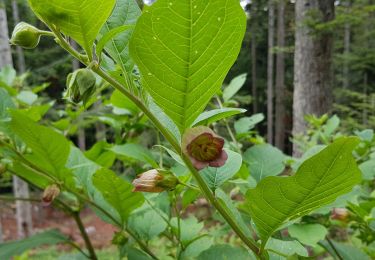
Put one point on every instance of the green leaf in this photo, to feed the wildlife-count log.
(126, 12)
(224, 252)
(147, 224)
(79, 19)
(121, 101)
(264, 160)
(288, 248)
(100, 154)
(50, 150)
(117, 192)
(135, 151)
(190, 228)
(5, 104)
(11, 249)
(109, 36)
(318, 182)
(27, 97)
(196, 247)
(245, 124)
(184, 50)
(215, 177)
(368, 169)
(234, 86)
(215, 115)
(308, 234)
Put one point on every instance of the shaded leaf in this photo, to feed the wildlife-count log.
(215, 115)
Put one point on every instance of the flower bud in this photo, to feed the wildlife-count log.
(119, 239)
(155, 181)
(49, 194)
(26, 36)
(340, 214)
(81, 85)
(204, 147)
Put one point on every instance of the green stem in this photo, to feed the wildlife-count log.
(85, 236)
(334, 248)
(169, 137)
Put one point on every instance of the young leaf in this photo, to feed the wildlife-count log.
(79, 19)
(215, 115)
(222, 252)
(258, 159)
(319, 181)
(50, 150)
(234, 86)
(245, 124)
(184, 50)
(117, 192)
(126, 12)
(215, 177)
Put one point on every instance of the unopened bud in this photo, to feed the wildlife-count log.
(49, 194)
(81, 85)
(26, 36)
(340, 214)
(155, 181)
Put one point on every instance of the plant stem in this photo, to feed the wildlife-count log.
(168, 136)
(334, 248)
(85, 236)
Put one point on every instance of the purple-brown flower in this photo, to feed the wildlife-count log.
(204, 147)
(155, 181)
(340, 214)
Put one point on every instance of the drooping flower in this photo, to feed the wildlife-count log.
(49, 194)
(340, 214)
(204, 147)
(155, 181)
(81, 85)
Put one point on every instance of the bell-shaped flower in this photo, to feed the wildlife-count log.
(155, 181)
(204, 147)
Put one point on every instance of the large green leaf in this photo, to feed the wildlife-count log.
(126, 12)
(11, 249)
(148, 223)
(224, 252)
(50, 150)
(184, 50)
(117, 192)
(288, 248)
(215, 177)
(318, 182)
(264, 160)
(79, 19)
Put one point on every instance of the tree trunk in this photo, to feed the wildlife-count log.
(21, 65)
(5, 53)
(280, 111)
(312, 63)
(347, 36)
(20, 188)
(270, 65)
(253, 59)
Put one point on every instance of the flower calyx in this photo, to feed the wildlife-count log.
(155, 181)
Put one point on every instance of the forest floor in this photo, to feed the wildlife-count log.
(45, 218)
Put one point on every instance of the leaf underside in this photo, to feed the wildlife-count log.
(319, 181)
(79, 19)
(184, 49)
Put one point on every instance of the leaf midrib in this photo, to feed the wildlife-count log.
(293, 211)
